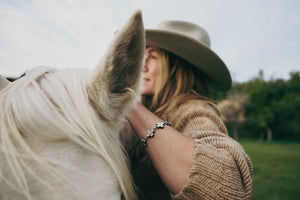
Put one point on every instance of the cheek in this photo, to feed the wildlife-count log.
(154, 72)
(148, 86)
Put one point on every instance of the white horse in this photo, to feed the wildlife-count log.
(59, 128)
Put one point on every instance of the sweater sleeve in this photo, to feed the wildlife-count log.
(220, 169)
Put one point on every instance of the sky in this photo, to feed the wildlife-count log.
(249, 35)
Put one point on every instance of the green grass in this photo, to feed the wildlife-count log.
(276, 169)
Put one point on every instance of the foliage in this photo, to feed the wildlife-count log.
(273, 106)
(233, 110)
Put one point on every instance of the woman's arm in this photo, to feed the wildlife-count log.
(170, 151)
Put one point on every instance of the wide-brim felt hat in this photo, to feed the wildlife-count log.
(191, 42)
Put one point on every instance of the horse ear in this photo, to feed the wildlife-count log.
(3, 82)
(120, 69)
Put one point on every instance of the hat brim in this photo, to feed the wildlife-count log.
(194, 52)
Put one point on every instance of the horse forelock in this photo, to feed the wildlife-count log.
(53, 105)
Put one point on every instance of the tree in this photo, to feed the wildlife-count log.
(233, 109)
(270, 111)
(274, 107)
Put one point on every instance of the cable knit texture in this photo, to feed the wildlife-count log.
(221, 169)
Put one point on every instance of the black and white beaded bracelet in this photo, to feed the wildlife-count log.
(150, 133)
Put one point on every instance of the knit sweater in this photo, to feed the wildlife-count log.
(220, 168)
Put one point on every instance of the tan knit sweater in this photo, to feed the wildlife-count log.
(220, 170)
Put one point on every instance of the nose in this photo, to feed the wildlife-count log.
(145, 69)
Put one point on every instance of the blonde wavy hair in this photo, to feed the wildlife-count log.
(176, 83)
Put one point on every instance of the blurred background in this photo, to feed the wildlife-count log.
(259, 41)
(264, 116)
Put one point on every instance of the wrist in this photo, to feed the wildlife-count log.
(151, 133)
(133, 111)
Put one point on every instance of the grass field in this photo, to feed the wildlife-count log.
(276, 169)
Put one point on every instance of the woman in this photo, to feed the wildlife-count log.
(188, 154)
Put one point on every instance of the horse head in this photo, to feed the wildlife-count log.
(59, 128)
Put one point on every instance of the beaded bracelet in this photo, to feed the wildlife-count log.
(159, 125)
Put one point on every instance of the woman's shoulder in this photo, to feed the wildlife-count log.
(197, 115)
(197, 105)
(192, 109)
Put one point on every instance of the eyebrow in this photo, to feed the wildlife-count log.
(152, 50)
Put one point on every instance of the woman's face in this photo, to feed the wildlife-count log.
(151, 68)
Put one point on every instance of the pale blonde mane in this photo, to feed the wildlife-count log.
(53, 105)
(59, 128)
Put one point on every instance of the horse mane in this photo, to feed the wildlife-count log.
(53, 105)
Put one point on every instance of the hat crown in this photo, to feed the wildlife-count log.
(186, 29)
